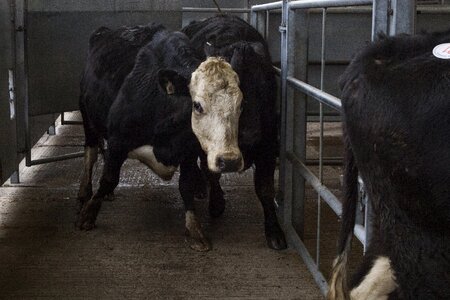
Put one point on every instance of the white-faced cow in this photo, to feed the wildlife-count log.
(135, 94)
(245, 49)
(396, 110)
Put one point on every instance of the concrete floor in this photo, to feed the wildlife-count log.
(138, 250)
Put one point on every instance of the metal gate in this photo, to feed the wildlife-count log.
(7, 96)
(391, 17)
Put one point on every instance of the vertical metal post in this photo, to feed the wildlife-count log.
(285, 182)
(297, 67)
(380, 17)
(393, 17)
(403, 17)
(260, 23)
(322, 74)
(266, 25)
(253, 18)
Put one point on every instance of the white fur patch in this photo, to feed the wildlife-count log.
(378, 283)
(146, 155)
(215, 86)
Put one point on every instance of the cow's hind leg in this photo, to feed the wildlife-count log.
(115, 156)
(216, 199)
(90, 157)
(264, 186)
(378, 283)
(194, 233)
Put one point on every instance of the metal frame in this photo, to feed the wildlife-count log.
(388, 16)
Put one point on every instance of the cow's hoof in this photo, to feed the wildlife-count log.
(88, 214)
(216, 206)
(275, 239)
(198, 244)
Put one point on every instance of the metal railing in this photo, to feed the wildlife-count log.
(294, 172)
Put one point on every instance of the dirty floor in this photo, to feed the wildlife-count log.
(138, 249)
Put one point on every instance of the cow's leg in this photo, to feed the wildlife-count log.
(90, 157)
(115, 156)
(201, 190)
(216, 200)
(378, 283)
(264, 186)
(194, 233)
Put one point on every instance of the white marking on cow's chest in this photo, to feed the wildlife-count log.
(378, 283)
(146, 155)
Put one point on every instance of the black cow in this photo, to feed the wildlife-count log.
(135, 93)
(396, 110)
(241, 45)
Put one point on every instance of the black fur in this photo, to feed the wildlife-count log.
(396, 108)
(124, 100)
(246, 50)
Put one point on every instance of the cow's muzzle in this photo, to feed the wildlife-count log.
(226, 164)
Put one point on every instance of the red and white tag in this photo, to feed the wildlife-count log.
(442, 51)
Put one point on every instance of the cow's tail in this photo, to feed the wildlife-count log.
(338, 289)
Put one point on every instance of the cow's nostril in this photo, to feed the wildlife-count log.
(220, 163)
(228, 165)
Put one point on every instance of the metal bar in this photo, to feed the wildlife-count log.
(25, 87)
(277, 70)
(297, 42)
(254, 19)
(326, 162)
(302, 4)
(360, 233)
(404, 17)
(268, 6)
(214, 10)
(266, 25)
(324, 192)
(433, 10)
(298, 245)
(260, 23)
(55, 158)
(322, 71)
(319, 95)
(283, 181)
(69, 122)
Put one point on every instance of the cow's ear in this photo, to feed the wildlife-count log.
(237, 59)
(258, 48)
(171, 83)
(209, 49)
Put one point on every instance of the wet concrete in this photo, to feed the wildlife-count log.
(138, 250)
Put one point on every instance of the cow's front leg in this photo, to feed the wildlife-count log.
(110, 178)
(194, 233)
(264, 186)
(90, 157)
(216, 199)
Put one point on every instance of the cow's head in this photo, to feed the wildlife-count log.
(216, 107)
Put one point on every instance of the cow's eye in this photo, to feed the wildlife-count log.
(198, 107)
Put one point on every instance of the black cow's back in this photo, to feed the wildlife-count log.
(111, 58)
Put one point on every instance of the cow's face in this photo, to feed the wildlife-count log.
(216, 107)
